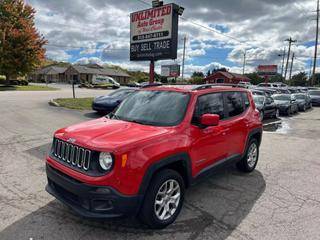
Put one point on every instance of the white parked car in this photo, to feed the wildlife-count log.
(105, 80)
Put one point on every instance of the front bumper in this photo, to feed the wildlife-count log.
(283, 109)
(315, 102)
(88, 200)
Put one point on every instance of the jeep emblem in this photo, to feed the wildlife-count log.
(71, 140)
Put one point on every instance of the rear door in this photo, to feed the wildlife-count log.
(237, 104)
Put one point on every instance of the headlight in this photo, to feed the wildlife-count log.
(105, 161)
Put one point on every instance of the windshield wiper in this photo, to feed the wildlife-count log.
(113, 116)
(139, 122)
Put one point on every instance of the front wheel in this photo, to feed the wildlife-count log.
(261, 117)
(249, 161)
(163, 200)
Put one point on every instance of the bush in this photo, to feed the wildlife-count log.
(197, 80)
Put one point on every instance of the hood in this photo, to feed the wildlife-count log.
(108, 99)
(107, 134)
(282, 102)
(315, 96)
(301, 101)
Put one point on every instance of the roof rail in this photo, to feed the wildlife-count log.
(207, 86)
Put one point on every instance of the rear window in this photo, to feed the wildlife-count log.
(245, 100)
(234, 103)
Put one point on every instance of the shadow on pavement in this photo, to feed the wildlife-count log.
(213, 209)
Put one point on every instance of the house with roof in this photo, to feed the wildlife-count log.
(226, 77)
(85, 73)
(48, 74)
(77, 73)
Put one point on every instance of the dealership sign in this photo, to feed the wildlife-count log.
(154, 33)
(267, 69)
(170, 70)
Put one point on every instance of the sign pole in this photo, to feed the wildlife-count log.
(151, 72)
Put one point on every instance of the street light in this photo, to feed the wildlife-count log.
(157, 3)
(180, 11)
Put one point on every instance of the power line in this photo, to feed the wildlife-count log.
(200, 25)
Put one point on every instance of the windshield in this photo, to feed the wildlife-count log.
(258, 100)
(314, 93)
(120, 93)
(282, 97)
(158, 108)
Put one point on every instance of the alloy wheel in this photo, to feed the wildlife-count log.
(252, 155)
(167, 199)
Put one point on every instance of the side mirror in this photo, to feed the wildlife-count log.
(210, 119)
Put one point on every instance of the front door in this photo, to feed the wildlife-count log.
(209, 143)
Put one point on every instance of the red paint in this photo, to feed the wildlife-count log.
(145, 145)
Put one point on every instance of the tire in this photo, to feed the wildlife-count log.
(247, 163)
(289, 111)
(147, 214)
(261, 117)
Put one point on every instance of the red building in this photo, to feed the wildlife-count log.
(226, 77)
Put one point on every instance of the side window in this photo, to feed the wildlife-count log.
(209, 103)
(245, 100)
(234, 103)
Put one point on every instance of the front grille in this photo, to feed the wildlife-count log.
(71, 154)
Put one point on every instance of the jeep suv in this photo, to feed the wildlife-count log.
(139, 159)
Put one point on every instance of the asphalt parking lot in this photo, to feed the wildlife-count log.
(279, 200)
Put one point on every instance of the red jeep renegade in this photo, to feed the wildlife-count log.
(140, 159)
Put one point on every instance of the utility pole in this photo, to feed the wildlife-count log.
(244, 62)
(290, 40)
(283, 57)
(310, 71)
(315, 48)
(292, 59)
(184, 55)
(151, 71)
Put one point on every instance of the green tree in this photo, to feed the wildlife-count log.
(276, 78)
(299, 79)
(197, 80)
(197, 74)
(255, 78)
(21, 46)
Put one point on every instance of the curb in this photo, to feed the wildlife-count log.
(53, 103)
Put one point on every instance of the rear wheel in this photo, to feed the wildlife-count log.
(249, 161)
(163, 200)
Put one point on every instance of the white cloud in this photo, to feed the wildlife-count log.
(101, 28)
